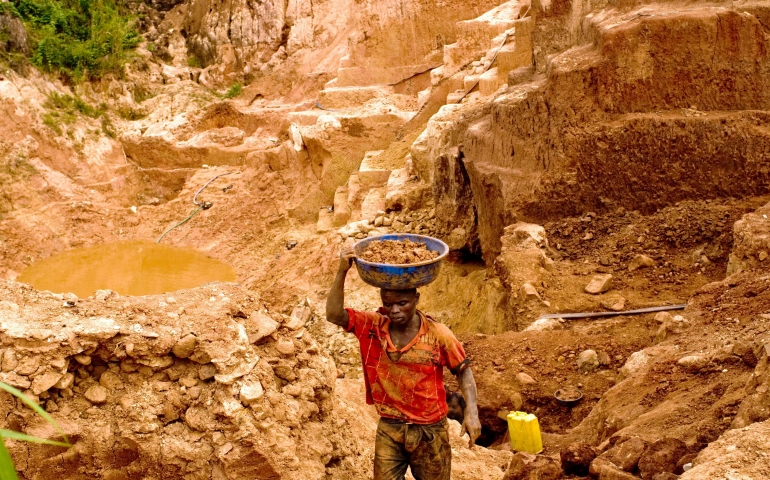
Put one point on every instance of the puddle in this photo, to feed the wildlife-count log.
(130, 268)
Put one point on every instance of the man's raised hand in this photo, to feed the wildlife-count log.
(347, 256)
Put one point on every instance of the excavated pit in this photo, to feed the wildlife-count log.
(613, 144)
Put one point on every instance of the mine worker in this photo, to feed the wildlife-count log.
(404, 353)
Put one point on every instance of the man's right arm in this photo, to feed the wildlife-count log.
(335, 302)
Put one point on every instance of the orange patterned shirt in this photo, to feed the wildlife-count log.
(406, 384)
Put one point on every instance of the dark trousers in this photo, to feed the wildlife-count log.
(424, 448)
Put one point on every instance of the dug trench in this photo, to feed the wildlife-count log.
(632, 162)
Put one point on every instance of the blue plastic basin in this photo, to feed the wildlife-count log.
(400, 277)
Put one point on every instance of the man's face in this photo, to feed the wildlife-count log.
(399, 305)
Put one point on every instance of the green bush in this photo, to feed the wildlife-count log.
(79, 38)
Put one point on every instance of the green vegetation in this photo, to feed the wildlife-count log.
(78, 38)
(234, 91)
(64, 109)
(7, 468)
(193, 62)
(7, 8)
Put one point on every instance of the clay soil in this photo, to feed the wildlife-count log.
(397, 252)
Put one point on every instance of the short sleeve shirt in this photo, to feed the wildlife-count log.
(409, 387)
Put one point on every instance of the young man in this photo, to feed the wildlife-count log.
(404, 353)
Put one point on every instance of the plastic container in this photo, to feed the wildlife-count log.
(400, 277)
(524, 431)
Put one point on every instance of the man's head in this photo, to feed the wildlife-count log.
(400, 305)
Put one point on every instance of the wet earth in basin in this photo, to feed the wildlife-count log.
(132, 267)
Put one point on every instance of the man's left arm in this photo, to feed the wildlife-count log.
(471, 423)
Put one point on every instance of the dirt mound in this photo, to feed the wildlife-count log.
(397, 252)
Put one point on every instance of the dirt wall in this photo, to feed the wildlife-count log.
(659, 108)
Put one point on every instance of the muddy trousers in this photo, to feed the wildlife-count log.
(424, 448)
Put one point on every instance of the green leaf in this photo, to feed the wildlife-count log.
(7, 470)
(29, 438)
(34, 406)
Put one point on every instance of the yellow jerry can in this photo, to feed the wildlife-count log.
(524, 431)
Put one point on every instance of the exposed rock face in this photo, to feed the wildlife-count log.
(13, 36)
(751, 245)
(754, 407)
(734, 454)
(522, 264)
(389, 42)
(224, 407)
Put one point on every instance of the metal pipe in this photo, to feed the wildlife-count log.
(638, 311)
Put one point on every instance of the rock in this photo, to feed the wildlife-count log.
(285, 372)
(544, 324)
(588, 361)
(207, 371)
(604, 359)
(10, 362)
(525, 379)
(576, 458)
(186, 346)
(259, 326)
(599, 284)
(663, 317)
(28, 366)
(665, 476)
(299, 317)
(251, 392)
(83, 359)
(103, 295)
(188, 381)
(44, 382)
(65, 381)
(529, 292)
(675, 325)
(285, 346)
(96, 394)
(379, 221)
(156, 363)
(599, 464)
(525, 466)
(111, 381)
(15, 380)
(693, 363)
(640, 261)
(679, 324)
(616, 304)
(612, 473)
(528, 235)
(626, 455)
(635, 363)
(661, 457)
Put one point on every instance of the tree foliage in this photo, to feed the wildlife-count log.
(79, 38)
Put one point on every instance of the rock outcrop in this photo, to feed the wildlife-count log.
(200, 384)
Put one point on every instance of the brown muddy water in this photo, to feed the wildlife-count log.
(132, 267)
